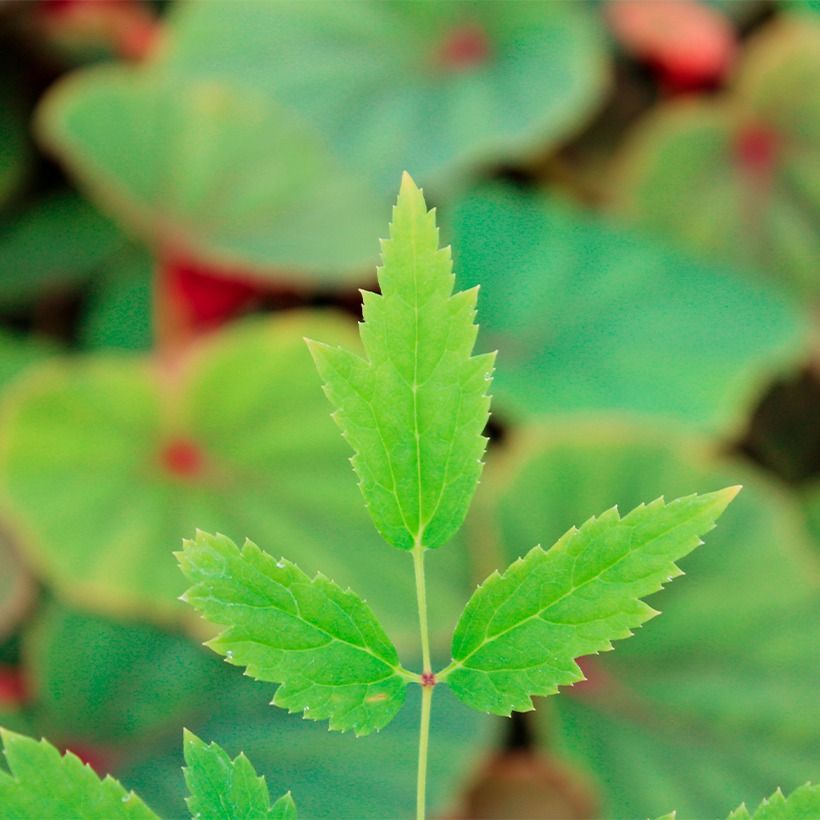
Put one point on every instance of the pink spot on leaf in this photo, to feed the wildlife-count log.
(756, 149)
(182, 458)
(465, 47)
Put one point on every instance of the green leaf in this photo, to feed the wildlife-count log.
(720, 690)
(211, 173)
(224, 789)
(810, 503)
(501, 81)
(367, 778)
(521, 631)
(591, 316)
(414, 410)
(322, 644)
(43, 784)
(98, 509)
(737, 178)
(284, 808)
(118, 308)
(108, 684)
(57, 243)
(802, 804)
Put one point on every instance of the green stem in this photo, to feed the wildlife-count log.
(421, 599)
(427, 680)
(424, 742)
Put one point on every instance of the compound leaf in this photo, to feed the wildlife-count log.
(225, 789)
(42, 783)
(414, 409)
(321, 643)
(521, 631)
(802, 804)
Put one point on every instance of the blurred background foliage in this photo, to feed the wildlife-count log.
(189, 188)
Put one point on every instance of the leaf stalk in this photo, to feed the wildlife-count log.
(427, 679)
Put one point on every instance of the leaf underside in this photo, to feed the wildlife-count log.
(414, 409)
(322, 644)
(45, 784)
(521, 631)
(802, 804)
(225, 789)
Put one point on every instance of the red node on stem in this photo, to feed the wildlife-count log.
(464, 47)
(182, 458)
(428, 679)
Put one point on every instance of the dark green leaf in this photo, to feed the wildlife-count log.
(587, 316)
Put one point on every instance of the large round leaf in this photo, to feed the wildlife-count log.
(715, 700)
(109, 461)
(589, 317)
(427, 87)
(739, 178)
(210, 171)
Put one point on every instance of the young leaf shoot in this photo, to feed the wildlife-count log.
(225, 789)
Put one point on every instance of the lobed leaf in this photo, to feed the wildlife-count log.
(42, 784)
(521, 631)
(225, 789)
(802, 804)
(322, 644)
(415, 408)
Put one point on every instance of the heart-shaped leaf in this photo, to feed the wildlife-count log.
(110, 460)
(206, 170)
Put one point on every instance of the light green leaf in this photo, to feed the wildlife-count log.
(284, 808)
(414, 410)
(225, 789)
(802, 804)
(43, 784)
(521, 631)
(322, 644)
(501, 81)
(211, 171)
